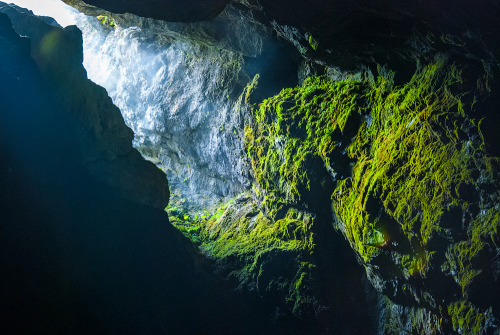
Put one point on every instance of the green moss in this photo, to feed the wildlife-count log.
(414, 153)
(187, 224)
(299, 292)
(410, 157)
(268, 254)
(462, 257)
(312, 42)
(107, 21)
(399, 162)
(255, 233)
(263, 246)
(466, 318)
(293, 127)
(250, 88)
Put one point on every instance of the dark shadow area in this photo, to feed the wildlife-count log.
(77, 258)
(277, 68)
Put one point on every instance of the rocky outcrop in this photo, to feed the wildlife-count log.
(410, 170)
(168, 10)
(290, 258)
(179, 88)
(341, 33)
(333, 31)
(106, 142)
(415, 184)
(187, 117)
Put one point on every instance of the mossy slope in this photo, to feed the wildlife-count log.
(265, 252)
(407, 172)
(412, 184)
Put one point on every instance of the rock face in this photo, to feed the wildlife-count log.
(63, 233)
(105, 140)
(376, 28)
(179, 88)
(414, 185)
(168, 10)
(345, 28)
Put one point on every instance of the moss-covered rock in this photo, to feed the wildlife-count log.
(296, 127)
(413, 184)
(466, 318)
(270, 255)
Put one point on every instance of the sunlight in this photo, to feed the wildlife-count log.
(56, 9)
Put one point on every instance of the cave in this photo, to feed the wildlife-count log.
(249, 167)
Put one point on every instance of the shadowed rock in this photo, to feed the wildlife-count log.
(105, 140)
(168, 10)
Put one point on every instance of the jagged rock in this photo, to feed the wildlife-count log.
(179, 88)
(106, 142)
(414, 184)
(168, 10)
(348, 33)
(341, 33)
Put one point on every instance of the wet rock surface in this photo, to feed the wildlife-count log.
(179, 87)
(168, 10)
(417, 198)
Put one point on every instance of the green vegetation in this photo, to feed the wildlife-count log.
(312, 42)
(407, 160)
(415, 156)
(407, 155)
(403, 167)
(254, 239)
(462, 257)
(294, 126)
(107, 21)
(186, 223)
(251, 245)
(466, 319)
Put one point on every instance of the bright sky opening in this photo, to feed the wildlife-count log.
(62, 13)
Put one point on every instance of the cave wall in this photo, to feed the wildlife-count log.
(168, 10)
(179, 87)
(390, 140)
